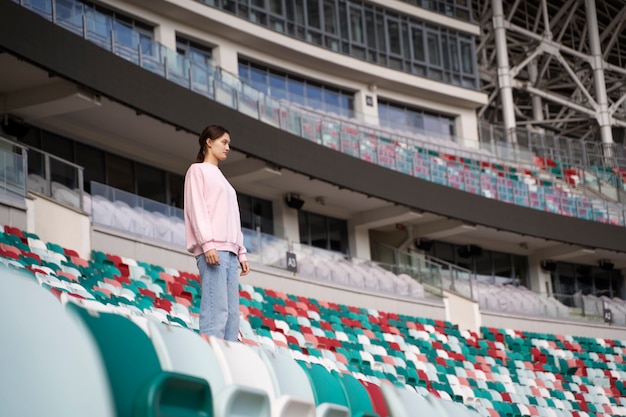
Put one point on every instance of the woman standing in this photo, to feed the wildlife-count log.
(213, 230)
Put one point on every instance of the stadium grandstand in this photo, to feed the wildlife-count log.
(432, 196)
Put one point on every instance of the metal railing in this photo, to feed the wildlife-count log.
(13, 165)
(25, 168)
(491, 167)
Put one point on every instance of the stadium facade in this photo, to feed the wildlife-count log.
(358, 127)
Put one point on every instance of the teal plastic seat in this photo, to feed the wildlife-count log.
(330, 399)
(139, 385)
(359, 401)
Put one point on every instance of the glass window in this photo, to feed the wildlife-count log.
(57, 145)
(323, 232)
(313, 14)
(93, 161)
(258, 79)
(393, 36)
(197, 53)
(331, 101)
(150, 182)
(467, 57)
(417, 41)
(314, 96)
(277, 7)
(281, 85)
(296, 92)
(399, 116)
(330, 17)
(337, 235)
(120, 173)
(434, 57)
(175, 186)
(356, 26)
(256, 213)
(277, 86)
(374, 33)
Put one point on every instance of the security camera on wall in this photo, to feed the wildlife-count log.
(294, 201)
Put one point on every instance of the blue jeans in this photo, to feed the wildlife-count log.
(219, 301)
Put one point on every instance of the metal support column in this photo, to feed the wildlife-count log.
(603, 115)
(505, 81)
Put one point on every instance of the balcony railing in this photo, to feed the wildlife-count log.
(13, 165)
(136, 215)
(490, 168)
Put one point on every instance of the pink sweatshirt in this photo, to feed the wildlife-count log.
(212, 218)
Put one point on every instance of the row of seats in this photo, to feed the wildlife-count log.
(499, 372)
(106, 364)
(511, 299)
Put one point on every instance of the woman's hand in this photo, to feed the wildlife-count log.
(245, 268)
(212, 257)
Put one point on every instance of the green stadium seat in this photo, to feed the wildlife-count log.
(139, 384)
(359, 401)
(49, 365)
(329, 397)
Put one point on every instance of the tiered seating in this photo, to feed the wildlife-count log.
(509, 298)
(340, 360)
(355, 273)
(592, 305)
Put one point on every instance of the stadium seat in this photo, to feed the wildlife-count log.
(406, 402)
(294, 395)
(359, 401)
(184, 351)
(243, 368)
(330, 399)
(140, 386)
(49, 365)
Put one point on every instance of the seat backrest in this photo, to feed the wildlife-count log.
(291, 383)
(184, 351)
(327, 389)
(49, 363)
(405, 402)
(358, 398)
(377, 398)
(243, 367)
(139, 384)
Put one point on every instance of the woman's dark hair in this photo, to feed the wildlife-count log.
(210, 132)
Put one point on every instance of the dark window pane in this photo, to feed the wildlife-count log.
(150, 182)
(313, 14)
(434, 57)
(393, 37)
(418, 44)
(175, 184)
(120, 173)
(93, 161)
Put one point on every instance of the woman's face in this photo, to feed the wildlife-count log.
(218, 149)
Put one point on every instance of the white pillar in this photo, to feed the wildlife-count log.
(603, 114)
(165, 34)
(359, 242)
(536, 100)
(366, 105)
(505, 81)
(226, 57)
